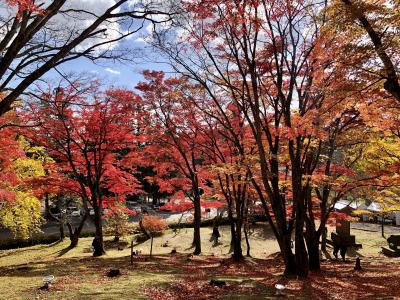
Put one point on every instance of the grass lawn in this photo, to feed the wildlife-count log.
(181, 276)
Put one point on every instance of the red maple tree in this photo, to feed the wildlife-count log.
(174, 145)
(91, 136)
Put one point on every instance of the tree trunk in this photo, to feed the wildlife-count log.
(287, 253)
(247, 238)
(324, 238)
(301, 255)
(74, 237)
(312, 241)
(61, 224)
(313, 257)
(62, 233)
(74, 234)
(131, 252)
(383, 226)
(196, 225)
(236, 243)
(314, 261)
(47, 206)
(98, 244)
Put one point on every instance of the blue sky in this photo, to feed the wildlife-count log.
(119, 74)
(113, 73)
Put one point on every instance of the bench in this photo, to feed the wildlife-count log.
(394, 242)
(394, 246)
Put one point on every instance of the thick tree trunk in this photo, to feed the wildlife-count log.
(74, 238)
(285, 245)
(313, 257)
(98, 244)
(301, 255)
(61, 223)
(313, 250)
(312, 240)
(196, 225)
(74, 234)
(236, 243)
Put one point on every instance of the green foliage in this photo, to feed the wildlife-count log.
(117, 222)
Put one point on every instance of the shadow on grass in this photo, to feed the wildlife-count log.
(30, 249)
(189, 278)
(64, 251)
(190, 248)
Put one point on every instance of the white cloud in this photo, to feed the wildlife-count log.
(140, 40)
(112, 71)
(71, 21)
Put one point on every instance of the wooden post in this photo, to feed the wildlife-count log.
(131, 252)
(151, 246)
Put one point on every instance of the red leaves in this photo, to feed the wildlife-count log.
(177, 206)
(153, 224)
(91, 140)
(6, 196)
(9, 152)
(117, 209)
(23, 5)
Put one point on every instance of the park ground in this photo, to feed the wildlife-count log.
(181, 276)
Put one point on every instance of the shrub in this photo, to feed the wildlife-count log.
(117, 221)
(152, 226)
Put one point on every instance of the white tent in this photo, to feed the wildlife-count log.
(353, 204)
(374, 207)
(339, 205)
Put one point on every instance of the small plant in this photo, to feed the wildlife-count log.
(152, 226)
(117, 221)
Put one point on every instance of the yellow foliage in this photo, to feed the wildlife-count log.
(362, 212)
(22, 217)
(28, 168)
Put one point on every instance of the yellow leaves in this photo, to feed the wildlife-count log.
(379, 153)
(28, 168)
(229, 169)
(34, 152)
(361, 212)
(22, 217)
(394, 208)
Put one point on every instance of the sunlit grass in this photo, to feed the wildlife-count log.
(80, 276)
